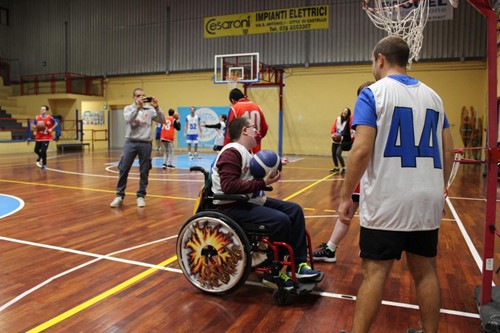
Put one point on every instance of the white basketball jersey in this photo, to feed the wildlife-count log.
(402, 188)
(192, 122)
(259, 197)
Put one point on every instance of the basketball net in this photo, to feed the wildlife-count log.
(403, 18)
(231, 81)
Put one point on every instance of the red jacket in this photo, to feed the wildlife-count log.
(247, 108)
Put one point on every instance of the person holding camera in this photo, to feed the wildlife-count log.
(138, 142)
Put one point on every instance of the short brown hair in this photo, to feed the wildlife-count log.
(235, 127)
(394, 49)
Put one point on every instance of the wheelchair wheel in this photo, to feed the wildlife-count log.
(214, 252)
(282, 297)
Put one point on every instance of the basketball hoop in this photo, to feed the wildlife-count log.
(403, 18)
(231, 81)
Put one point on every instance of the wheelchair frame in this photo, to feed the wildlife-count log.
(215, 252)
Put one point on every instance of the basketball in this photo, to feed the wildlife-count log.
(40, 125)
(176, 116)
(263, 162)
(336, 137)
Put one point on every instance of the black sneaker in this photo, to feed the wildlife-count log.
(342, 172)
(164, 166)
(269, 281)
(171, 166)
(334, 170)
(323, 253)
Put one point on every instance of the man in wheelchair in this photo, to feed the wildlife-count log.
(231, 175)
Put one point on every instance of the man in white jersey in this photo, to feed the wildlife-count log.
(402, 156)
(192, 131)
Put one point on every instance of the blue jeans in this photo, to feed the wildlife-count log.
(131, 149)
(284, 218)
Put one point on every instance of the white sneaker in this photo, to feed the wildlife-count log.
(117, 202)
(39, 164)
(141, 202)
(190, 156)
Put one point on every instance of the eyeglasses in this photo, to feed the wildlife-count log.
(251, 126)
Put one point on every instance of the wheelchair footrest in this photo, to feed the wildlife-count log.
(304, 288)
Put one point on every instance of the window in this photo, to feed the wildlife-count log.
(4, 16)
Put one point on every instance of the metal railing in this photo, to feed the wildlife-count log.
(61, 83)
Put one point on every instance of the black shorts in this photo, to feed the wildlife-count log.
(386, 245)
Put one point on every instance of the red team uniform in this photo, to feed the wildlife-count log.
(245, 107)
(167, 130)
(44, 135)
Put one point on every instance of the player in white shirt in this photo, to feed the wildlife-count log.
(403, 154)
(192, 130)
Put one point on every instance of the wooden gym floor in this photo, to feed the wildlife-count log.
(70, 263)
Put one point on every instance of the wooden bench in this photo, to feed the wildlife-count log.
(72, 146)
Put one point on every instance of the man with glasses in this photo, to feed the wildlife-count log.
(138, 137)
(231, 175)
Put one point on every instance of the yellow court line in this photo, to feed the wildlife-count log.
(89, 189)
(99, 297)
(307, 187)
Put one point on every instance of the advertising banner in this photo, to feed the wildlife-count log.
(269, 21)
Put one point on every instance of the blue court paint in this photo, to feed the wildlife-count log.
(9, 205)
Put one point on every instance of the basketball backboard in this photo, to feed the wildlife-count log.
(243, 67)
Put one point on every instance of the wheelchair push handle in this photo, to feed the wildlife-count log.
(200, 169)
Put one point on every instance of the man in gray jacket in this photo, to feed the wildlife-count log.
(138, 137)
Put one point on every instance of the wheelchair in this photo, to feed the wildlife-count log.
(215, 252)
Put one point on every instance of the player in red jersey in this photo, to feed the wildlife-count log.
(43, 135)
(171, 124)
(243, 107)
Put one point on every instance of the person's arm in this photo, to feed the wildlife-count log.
(186, 126)
(160, 116)
(448, 154)
(334, 127)
(177, 124)
(356, 164)
(55, 122)
(130, 112)
(217, 126)
(229, 168)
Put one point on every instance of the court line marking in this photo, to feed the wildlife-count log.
(388, 303)
(307, 187)
(118, 288)
(91, 189)
(468, 240)
(21, 205)
(97, 257)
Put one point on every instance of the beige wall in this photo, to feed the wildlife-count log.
(313, 98)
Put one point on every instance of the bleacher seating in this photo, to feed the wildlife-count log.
(16, 128)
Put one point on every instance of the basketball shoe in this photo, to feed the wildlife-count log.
(117, 202)
(323, 253)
